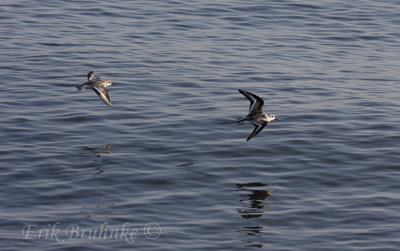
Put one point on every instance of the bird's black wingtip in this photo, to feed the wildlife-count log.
(90, 75)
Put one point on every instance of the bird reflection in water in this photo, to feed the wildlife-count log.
(253, 204)
(98, 150)
(92, 155)
(253, 199)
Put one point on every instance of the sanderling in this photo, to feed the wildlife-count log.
(256, 114)
(98, 86)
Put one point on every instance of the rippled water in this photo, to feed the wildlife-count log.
(167, 166)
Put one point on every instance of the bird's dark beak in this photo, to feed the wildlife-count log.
(113, 84)
(276, 119)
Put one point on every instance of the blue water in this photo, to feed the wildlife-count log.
(166, 167)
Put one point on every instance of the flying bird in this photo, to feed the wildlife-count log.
(256, 115)
(98, 86)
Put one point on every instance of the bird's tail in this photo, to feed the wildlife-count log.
(240, 120)
(80, 87)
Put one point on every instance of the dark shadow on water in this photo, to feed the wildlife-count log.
(253, 203)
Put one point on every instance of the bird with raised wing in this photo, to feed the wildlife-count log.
(98, 85)
(256, 115)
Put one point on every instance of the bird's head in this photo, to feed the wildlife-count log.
(107, 83)
(271, 117)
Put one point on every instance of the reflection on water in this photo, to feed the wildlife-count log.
(250, 235)
(96, 149)
(91, 157)
(252, 200)
(253, 205)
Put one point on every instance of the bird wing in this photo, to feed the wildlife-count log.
(93, 78)
(256, 103)
(258, 127)
(103, 94)
(90, 75)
